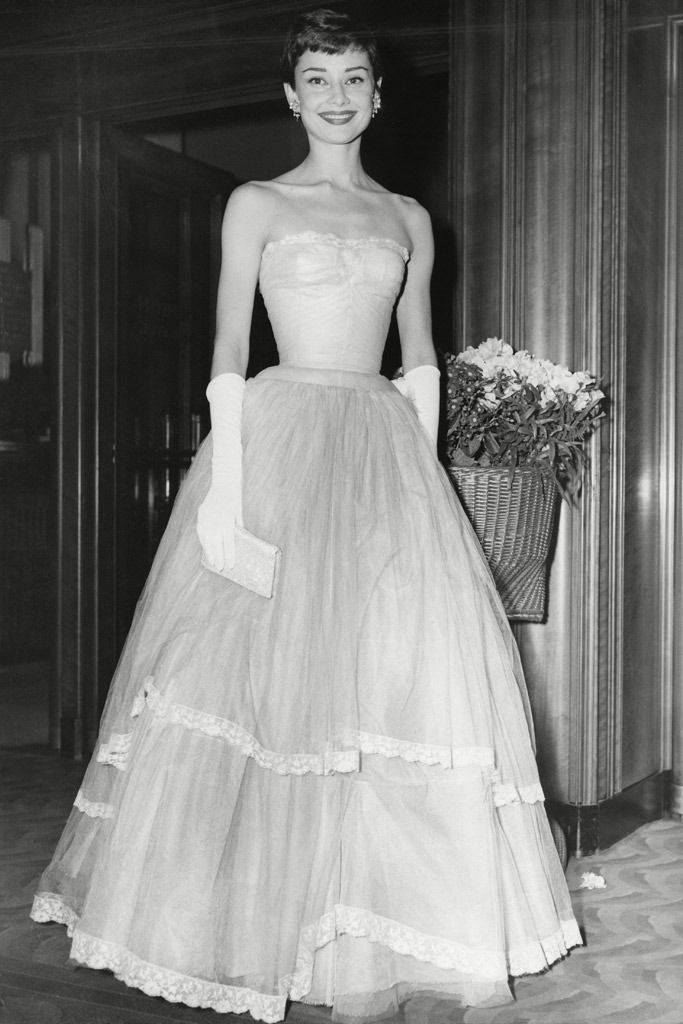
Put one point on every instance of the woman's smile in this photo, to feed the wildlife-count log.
(337, 116)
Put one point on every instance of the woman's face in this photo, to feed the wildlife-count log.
(335, 93)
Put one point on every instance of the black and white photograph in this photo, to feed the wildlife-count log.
(341, 511)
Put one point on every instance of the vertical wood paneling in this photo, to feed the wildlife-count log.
(675, 333)
(57, 423)
(90, 430)
(540, 184)
(159, 217)
(646, 381)
(76, 433)
(69, 668)
(549, 329)
(594, 577)
(513, 278)
(108, 299)
(611, 438)
(478, 60)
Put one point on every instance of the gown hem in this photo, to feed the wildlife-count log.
(357, 922)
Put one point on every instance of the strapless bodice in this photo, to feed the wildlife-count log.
(330, 299)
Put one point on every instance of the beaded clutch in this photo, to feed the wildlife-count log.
(256, 563)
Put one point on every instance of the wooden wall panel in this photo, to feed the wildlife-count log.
(646, 377)
(546, 325)
(653, 677)
(477, 66)
(86, 325)
(538, 203)
(75, 418)
(675, 334)
(574, 291)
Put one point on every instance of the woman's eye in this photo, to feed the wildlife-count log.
(356, 80)
(316, 81)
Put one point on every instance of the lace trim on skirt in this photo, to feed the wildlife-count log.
(237, 736)
(116, 750)
(482, 963)
(355, 921)
(508, 793)
(92, 809)
(172, 986)
(48, 906)
(424, 753)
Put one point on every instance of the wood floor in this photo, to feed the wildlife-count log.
(629, 972)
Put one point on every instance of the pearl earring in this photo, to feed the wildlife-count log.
(295, 107)
(376, 104)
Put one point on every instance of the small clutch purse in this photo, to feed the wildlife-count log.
(256, 563)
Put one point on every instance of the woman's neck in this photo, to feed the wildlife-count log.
(339, 166)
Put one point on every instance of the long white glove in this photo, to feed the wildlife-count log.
(421, 387)
(222, 506)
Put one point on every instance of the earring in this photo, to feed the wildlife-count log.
(376, 104)
(295, 107)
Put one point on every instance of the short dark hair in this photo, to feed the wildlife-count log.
(327, 31)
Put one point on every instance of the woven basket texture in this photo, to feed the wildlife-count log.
(513, 514)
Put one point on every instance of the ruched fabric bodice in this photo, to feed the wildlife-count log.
(330, 299)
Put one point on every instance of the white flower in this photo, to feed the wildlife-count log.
(587, 398)
(470, 355)
(490, 351)
(589, 880)
(500, 365)
(536, 373)
(493, 347)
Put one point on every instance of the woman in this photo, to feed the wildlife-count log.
(331, 795)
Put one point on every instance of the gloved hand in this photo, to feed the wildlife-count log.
(421, 387)
(222, 506)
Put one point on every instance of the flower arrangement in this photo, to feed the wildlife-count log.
(507, 408)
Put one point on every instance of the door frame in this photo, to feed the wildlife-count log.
(89, 158)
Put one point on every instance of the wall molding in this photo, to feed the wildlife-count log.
(671, 549)
(514, 174)
(597, 576)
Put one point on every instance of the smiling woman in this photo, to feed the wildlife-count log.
(323, 83)
(329, 795)
(337, 90)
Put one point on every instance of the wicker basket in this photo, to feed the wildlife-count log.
(513, 514)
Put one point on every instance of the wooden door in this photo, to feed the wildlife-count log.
(160, 261)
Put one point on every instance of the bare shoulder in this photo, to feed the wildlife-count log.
(250, 200)
(250, 210)
(416, 222)
(412, 221)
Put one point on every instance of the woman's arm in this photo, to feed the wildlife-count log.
(413, 312)
(420, 381)
(242, 239)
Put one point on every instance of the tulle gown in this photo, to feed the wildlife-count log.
(329, 796)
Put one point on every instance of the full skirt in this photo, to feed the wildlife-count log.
(331, 795)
